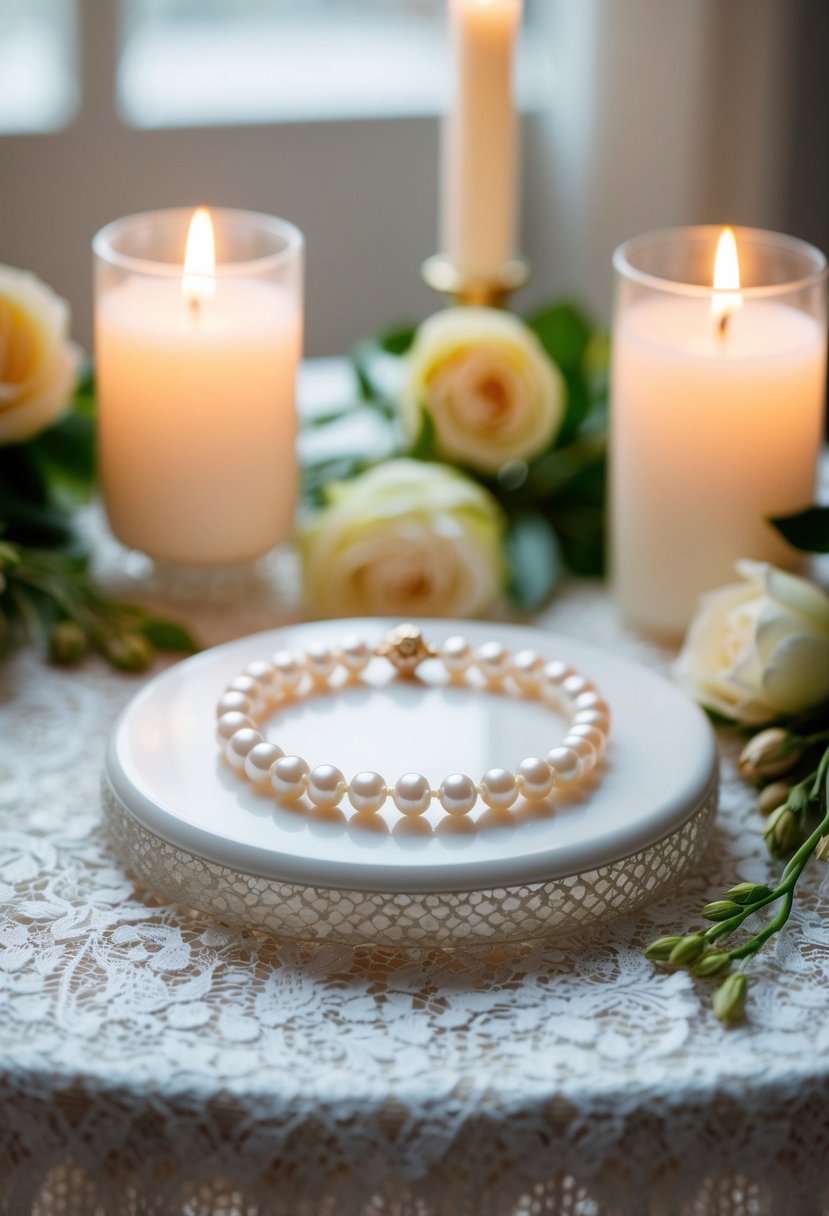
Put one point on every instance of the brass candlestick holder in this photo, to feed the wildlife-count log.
(441, 274)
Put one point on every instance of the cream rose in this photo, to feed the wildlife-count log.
(405, 539)
(38, 363)
(760, 648)
(488, 385)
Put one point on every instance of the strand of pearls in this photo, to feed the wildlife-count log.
(264, 686)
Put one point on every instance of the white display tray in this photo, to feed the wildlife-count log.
(199, 834)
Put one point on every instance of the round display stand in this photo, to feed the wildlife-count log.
(197, 833)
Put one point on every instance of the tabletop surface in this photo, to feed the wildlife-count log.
(150, 1056)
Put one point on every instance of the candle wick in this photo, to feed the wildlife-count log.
(722, 324)
(195, 307)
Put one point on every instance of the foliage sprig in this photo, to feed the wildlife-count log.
(47, 593)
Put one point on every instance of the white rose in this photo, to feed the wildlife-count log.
(405, 539)
(491, 390)
(38, 363)
(759, 649)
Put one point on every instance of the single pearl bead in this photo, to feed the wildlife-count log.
(237, 748)
(556, 671)
(591, 700)
(584, 749)
(456, 654)
(326, 785)
(526, 670)
(264, 674)
(412, 794)
(260, 760)
(288, 777)
(367, 792)
(536, 778)
(251, 689)
(575, 685)
(499, 788)
(567, 764)
(553, 675)
(354, 654)
(289, 670)
(229, 723)
(592, 717)
(594, 736)
(457, 794)
(321, 661)
(234, 702)
(493, 661)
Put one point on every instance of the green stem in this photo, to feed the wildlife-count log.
(822, 736)
(789, 880)
(754, 943)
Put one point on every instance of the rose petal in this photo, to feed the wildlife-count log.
(795, 593)
(797, 675)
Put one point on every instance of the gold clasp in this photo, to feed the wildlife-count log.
(405, 648)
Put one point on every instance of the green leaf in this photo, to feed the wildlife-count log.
(564, 332)
(84, 401)
(581, 533)
(66, 456)
(577, 406)
(534, 558)
(577, 464)
(33, 524)
(423, 447)
(169, 635)
(806, 530)
(397, 341)
(21, 477)
(367, 354)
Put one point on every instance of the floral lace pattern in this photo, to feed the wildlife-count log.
(152, 1062)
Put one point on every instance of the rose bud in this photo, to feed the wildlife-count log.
(772, 796)
(769, 754)
(730, 998)
(67, 642)
(781, 832)
(129, 651)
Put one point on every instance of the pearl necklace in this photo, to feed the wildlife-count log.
(251, 696)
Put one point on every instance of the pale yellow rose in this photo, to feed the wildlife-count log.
(38, 363)
(405, 539)
(491, 390)
(759, 649)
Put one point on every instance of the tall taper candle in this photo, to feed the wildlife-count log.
(480, 150)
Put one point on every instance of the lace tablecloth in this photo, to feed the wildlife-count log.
(153, 1062)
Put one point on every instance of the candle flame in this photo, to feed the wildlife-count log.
(726, 298)
(198, 283)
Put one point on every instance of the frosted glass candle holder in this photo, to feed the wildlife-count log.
(196, 378)
(717, 400)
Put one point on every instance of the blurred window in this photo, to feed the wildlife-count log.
(218, 62)
(38, 65)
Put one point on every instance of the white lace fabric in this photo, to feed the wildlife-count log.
(153, 1062)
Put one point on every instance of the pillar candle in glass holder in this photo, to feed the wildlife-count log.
(480, 152)
(196, 366)
(717, 403)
